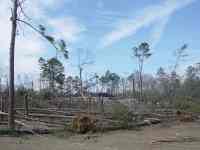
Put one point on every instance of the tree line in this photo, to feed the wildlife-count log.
(164, 87)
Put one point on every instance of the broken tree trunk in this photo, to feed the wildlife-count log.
(176, 140)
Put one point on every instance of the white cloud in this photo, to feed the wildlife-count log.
(30, 46)
(158, 31)
(5, 32)
(28, 50)
(67, 27)
(149, 15)
(51, 3)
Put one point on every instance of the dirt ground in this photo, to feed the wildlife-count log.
(116, 140)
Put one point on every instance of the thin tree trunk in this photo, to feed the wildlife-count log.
(40, 84)
(141, 81)
(133, 87)
(102, 112)
(2, 104)
(0, 86)
(2, 107)
(81, 81)
(32, 86)
(26, 105)
(11, 122)
(141, 92)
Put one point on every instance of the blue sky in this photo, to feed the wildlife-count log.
(108, 29)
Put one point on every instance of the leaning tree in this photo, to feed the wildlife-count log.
(17, 11)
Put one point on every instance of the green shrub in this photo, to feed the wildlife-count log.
(122, 114)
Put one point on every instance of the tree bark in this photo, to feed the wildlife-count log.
(11, 122)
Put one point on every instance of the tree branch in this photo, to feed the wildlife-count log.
(37, 30)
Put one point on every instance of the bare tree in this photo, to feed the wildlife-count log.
(84, 59)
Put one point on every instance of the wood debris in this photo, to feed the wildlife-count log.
(176, 140)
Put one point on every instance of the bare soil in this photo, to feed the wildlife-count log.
(115, 140)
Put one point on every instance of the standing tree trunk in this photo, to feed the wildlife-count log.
(81, 80)
(2, 107)
(11, 119)
(51, 80)
(2, 104)
(26, 105)
(141, 80)
(102, 112)
(140, 83)
(141, 92)
(133, 87)
(0, 87)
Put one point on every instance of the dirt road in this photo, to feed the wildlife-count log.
(117, 140)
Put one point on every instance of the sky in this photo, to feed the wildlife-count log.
(107, 29)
